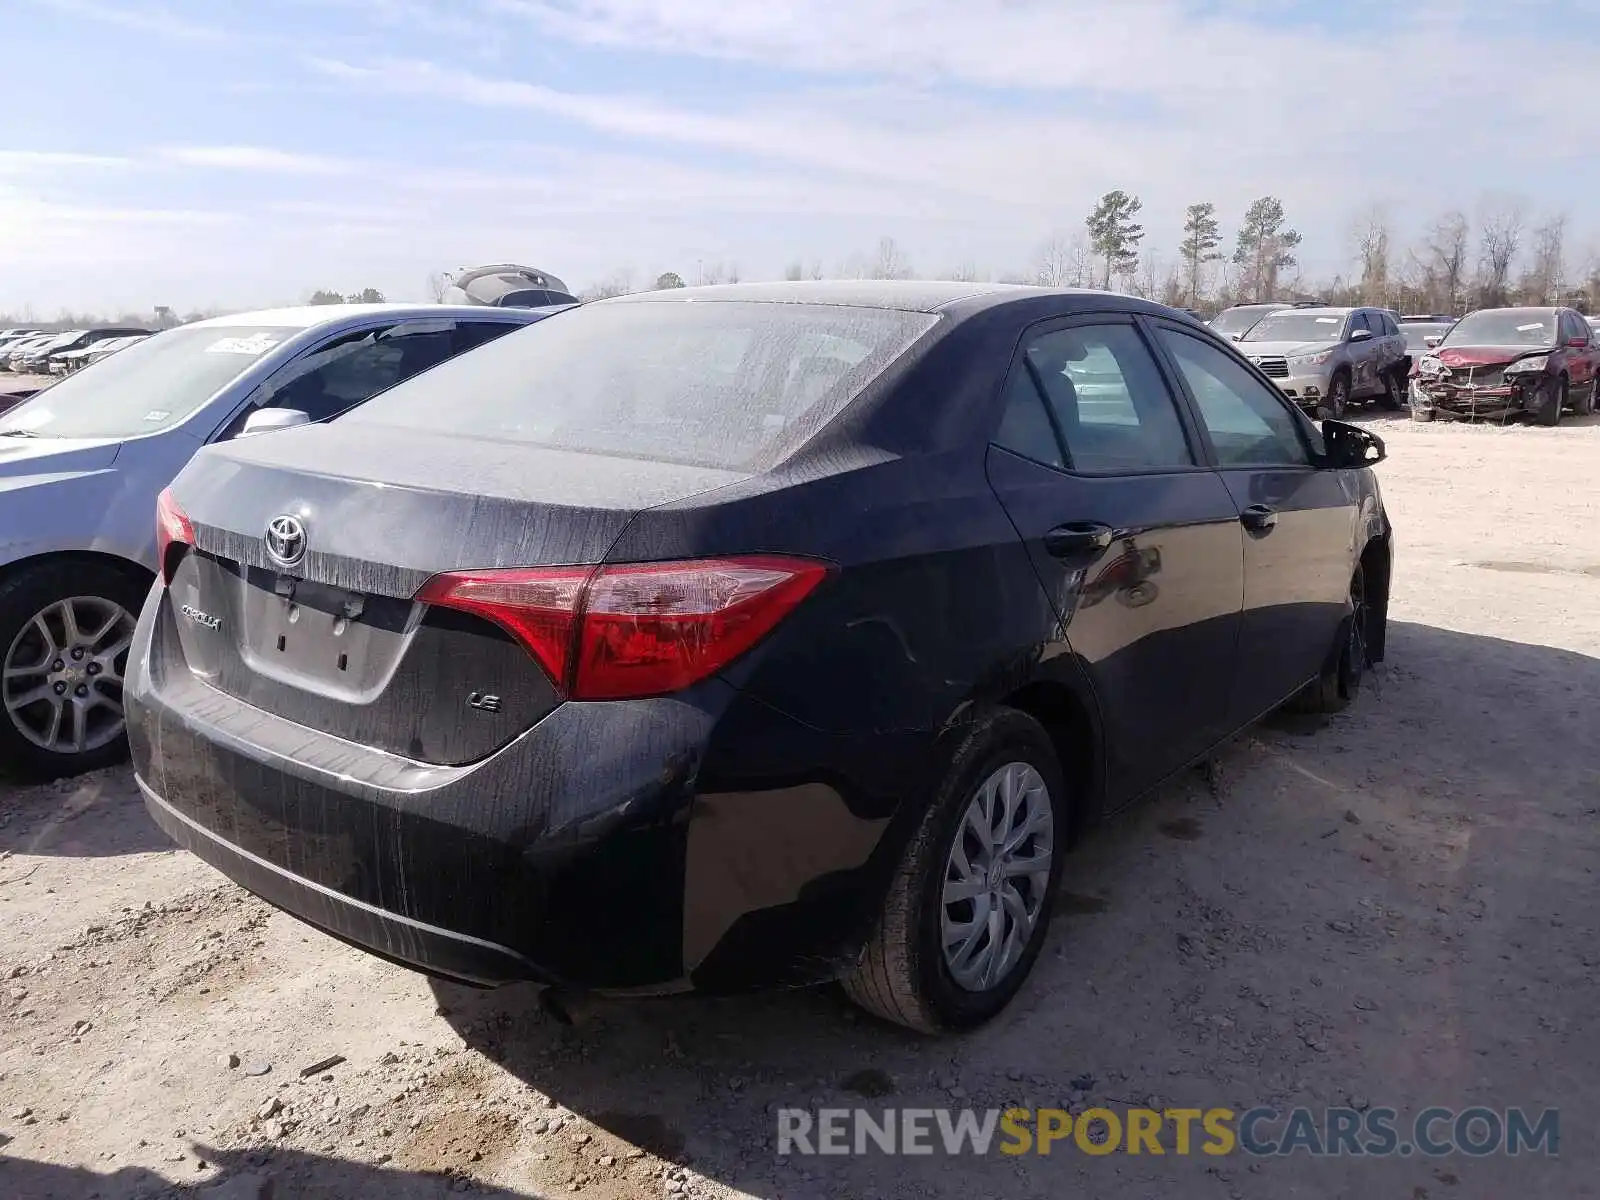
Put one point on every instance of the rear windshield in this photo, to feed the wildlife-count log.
(710, 383)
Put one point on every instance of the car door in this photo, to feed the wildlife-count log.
(352, 366)
(1137, 544)
(1580, 359)
(1363, 353)
(1300, 521)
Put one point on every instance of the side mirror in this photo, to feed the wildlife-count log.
(1360, 335)
(1433, 339)
(1238, 337)
(1350, 446)
(266, 420)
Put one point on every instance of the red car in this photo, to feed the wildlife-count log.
(1498, 362)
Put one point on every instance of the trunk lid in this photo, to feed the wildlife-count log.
(335, 640)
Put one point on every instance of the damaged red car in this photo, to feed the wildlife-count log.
(1500, 362)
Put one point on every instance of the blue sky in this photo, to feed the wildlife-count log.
(234, 153)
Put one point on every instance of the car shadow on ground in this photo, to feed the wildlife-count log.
(698, 1080)
(282, 1175)
(99, 815)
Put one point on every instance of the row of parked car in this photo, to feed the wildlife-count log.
(1493, 363)
(705, 638)
(60, 352)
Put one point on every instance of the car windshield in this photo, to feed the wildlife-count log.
(712, 384)
(1417, 334)
(147, 387)
(1236, 320)
(1505, 327)
(1292, 326)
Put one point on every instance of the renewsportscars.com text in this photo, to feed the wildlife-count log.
(1374, 1132)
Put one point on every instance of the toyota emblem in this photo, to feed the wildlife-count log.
(286, 540)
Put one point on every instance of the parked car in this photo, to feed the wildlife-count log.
(1422, 336)
(29, 359)
(81, 465)
(1499, 362)
(12, 356)
(46, 359)
(73, 360)
(744, 635)
(1236, 321)
(1327, 358)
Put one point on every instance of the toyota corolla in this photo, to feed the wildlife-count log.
(742, 636)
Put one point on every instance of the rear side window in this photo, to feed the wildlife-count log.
(710, 383)
(1108, 398)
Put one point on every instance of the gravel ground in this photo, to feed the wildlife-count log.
(1394, 907)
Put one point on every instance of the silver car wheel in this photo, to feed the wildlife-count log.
(996, 877)
(61, 680)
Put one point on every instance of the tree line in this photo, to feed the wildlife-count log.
(1502, 255)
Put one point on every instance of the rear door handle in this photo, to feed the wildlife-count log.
(1078, 538)
(1258, 518)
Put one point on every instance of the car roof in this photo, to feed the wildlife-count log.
(906, 295)
(1325, 311)
(913, 295)
(308, 316)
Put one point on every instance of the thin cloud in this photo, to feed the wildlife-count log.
(263, 159)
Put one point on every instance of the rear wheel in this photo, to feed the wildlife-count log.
(65, 629)
(1393, 392)
(966, 913)
(1348, 660)
(1553, 398)
(1585, 407)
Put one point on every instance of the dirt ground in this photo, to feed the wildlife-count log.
(1394, 908)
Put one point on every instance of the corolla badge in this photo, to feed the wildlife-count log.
(286, 540)
(203, 619)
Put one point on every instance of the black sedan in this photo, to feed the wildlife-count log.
(745, 636)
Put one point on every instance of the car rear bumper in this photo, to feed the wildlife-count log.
(412, 943)
(701, 840)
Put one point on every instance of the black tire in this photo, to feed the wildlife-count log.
(903, 976)
(1348, 659)
(1393, 393)
(1553, 398)
(23, 596)
(1586, 406)
(1339, 395)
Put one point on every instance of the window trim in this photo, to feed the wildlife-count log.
(1199, 448)
(377, 323)
(1296, 418)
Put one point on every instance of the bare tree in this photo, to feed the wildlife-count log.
(1371, 235)
(1444, 262)
(816, 269)
(966, 272)
(439, 282)
(620, 283)
(794, 271)
(1053, 264)
(1147, 283)
(891, 262)
(1499, 239)
(1543, 282)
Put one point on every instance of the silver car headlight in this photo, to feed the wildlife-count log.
(1311, 360)
(1537, 363)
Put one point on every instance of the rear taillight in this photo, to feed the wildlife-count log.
(174, 533)
(621, 632)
